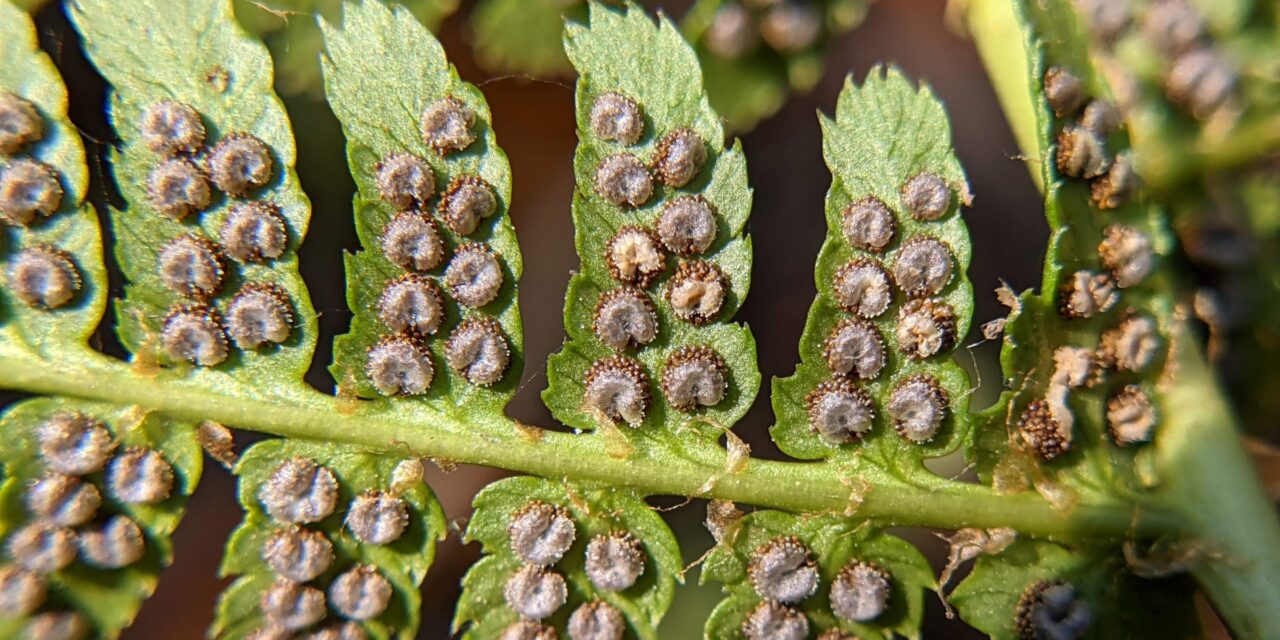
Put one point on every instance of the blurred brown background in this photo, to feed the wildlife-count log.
(534, 123)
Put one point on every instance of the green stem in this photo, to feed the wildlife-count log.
(305, 413)
(1167, 167)
(1215, 489)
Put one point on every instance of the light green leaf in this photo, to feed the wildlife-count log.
(26, 72)
(749, 76)
(1121, 605)
(382, 70)
(403, 562)
(203, 59)
(833, 543)
(108, 599)
(290, 31)
(885, 133)
(623, 51)
(523, 36)
(595, 511)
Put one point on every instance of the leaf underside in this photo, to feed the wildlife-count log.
(595, 511)
(833, 543)
(106, 599)
(884, 134)
(623, 51)
(382, 70)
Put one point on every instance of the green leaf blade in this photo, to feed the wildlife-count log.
(833, 542)
(382, 70)
(403, 562)
(205, 60)
(107, 599)
(26, 72)
(595, 510)
(623, 51)
(885, 133)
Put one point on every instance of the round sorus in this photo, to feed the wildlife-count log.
(1131, 417)
(411, 241)
(292, 606)
(635, 256)
(782, 570)
(169, 127)
(687, 225)
(254, 231)
(399, 365)
(240, 163)
(140, 476)
(1042, 432)
(191, 265)
(917, 406)
(772, 621)
(377, 517)
(535, 592)
(259, 314)
(1082, 153)
(360, 593)
(860, 592)
(299, 491)
(617, 388)
(297, 554)
(28, 189)
(43, 277)
(474, 275)
(177, 188)
(446, 125)
(854, 348)
(680, 156)
(74, 444)
(839, 411)
(1064, 91)
(1051, 609)
(926, 196)
(791, 27)
(195, 334)
(597, 620)
(922, 267)
(1126, 253)
(926, 327)
(466, 202)
(20, 124)
(61, 499)
(617, 117)
(404, 180)
(697, 291)
(540, 533)
(621, 179)
(863, 288)
(411, 303)
(694, 376)
(868, 225)
(625, 317)
(477, 350)
(118, 543)
(614, 561)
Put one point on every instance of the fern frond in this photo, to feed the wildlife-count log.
(604, 556)
(816, 572)
(665, 262)
(91, 494)
(215, 213)
(53, 287)
(439, 269)
(332, 537)
(877, 386)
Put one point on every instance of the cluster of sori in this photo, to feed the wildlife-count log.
(787, 27)
(840, 411)
(412, 306)
(1125, 256)
(300, 492)
(194, 267)
(41, 276)
(540, 535)
(693, 376)
(76, 505)
(784, 574)
(1195, 74)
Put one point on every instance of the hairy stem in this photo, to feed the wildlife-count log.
(1214, 487)
(795, 486)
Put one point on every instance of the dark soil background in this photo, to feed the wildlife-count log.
(534, 123)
